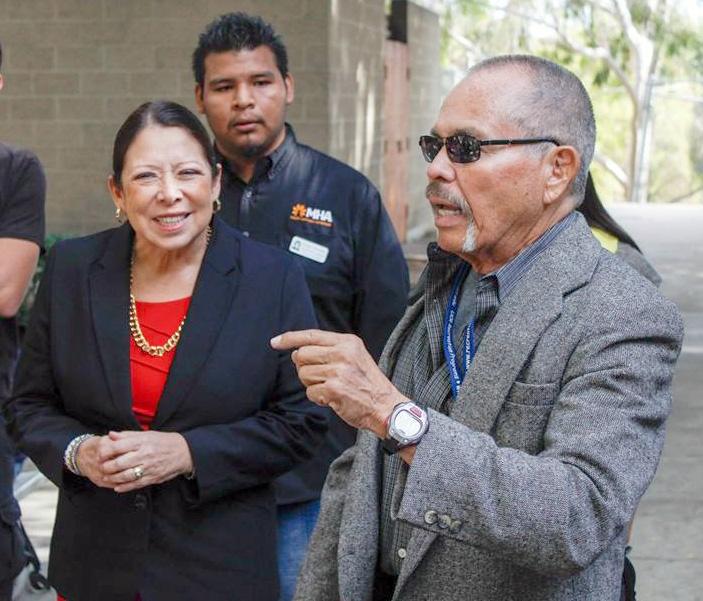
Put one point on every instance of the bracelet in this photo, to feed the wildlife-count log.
(71, 453)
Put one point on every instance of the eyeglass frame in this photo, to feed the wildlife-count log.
(506, 142)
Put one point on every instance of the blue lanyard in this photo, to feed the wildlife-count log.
(457, 371)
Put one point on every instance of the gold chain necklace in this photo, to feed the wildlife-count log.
(136, 330)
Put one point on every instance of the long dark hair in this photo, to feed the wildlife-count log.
(596, 216)
(166, 114)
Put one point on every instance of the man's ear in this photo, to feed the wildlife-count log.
(2, 81)
(290, 88)
(562, 165)
(199, 98)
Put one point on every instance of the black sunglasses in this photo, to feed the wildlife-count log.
(463, 148)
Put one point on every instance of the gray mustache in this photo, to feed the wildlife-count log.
(437, 190)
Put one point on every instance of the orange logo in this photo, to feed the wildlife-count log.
(301, 212)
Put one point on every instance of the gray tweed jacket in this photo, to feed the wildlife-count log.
(524, 491)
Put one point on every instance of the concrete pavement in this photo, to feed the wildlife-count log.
(668, 532)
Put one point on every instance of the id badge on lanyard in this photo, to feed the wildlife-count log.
(457, 367)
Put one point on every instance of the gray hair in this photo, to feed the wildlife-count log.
(557, 106)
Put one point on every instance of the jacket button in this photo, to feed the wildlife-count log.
(431, 517)
(140, 501)
(402, 553)
(455, 526)
(444, 521)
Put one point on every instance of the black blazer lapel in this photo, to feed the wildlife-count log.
(109, 302)
(212, 299)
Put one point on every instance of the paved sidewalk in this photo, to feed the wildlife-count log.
(668, 532)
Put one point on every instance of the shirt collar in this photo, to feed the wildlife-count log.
(510, 274)
(506, 277)
(268, 165)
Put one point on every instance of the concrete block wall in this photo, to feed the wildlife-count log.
(75, 69)
(357, 32)
(425, 100)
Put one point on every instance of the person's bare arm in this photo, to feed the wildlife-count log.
(18, 259)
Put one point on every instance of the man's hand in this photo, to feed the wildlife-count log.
(338, 371)
(128, 460)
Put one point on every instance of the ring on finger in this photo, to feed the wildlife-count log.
(138, 472)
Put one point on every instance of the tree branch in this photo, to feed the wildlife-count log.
(613, 168)
(604, 7)
(599, 53)
(686, 196)
(625, 19)
(463, 42)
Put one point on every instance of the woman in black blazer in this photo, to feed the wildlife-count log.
(173, 502)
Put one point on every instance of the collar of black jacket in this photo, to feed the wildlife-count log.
(268, 165)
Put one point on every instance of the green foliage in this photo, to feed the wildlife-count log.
(499, 26)
(641, 13)
(696, 135)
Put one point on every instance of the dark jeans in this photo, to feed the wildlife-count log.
(295, 525)
(627, 593)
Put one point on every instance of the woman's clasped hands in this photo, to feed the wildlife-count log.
(129, 460)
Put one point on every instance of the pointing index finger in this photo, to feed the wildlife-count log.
(298, 338)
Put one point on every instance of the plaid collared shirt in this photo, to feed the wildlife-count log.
(420, 371)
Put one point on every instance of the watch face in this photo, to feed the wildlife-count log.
(406, 424)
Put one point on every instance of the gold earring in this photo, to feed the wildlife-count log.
(216, 205)
(118, 215)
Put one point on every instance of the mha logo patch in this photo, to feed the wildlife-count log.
(301, 212)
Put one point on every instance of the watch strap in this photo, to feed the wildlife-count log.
(390, 446)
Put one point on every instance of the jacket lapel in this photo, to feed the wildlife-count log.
(109, 302)
(209, 307)
(533, 305)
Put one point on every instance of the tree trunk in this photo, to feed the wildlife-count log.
(642, 121)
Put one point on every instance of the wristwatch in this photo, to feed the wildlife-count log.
(406, 426)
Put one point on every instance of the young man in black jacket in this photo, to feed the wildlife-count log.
(330, 216)
(22, 190)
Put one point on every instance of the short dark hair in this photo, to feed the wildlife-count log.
(237, 31)
(166, 114)
(558, 106)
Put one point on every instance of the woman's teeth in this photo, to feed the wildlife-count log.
(171, 220)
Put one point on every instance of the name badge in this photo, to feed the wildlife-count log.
(308, 249)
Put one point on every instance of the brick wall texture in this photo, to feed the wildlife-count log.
(74, 69)
(425, 100)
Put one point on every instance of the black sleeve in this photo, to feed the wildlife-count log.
(258, 449)
(381, 274)
(35, 415)
(23, 200)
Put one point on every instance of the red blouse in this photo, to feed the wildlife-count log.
(158, 322)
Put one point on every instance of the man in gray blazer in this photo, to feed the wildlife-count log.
(539, 368)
